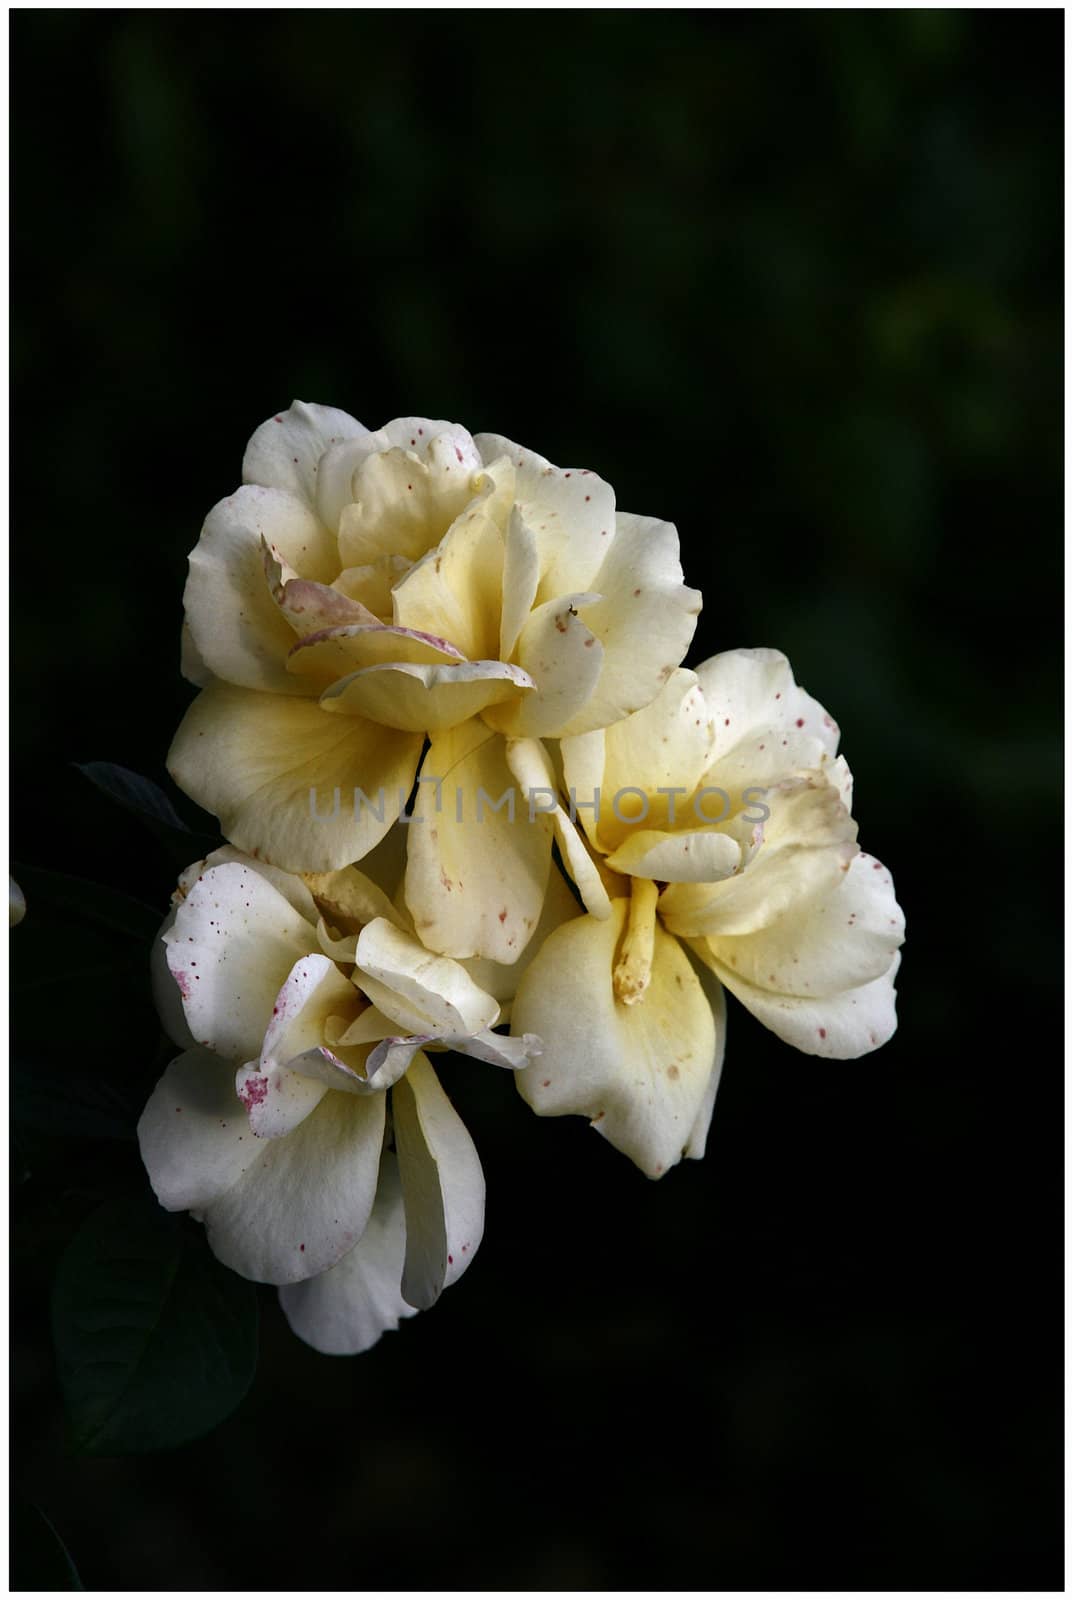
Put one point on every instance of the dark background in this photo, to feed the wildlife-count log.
(792, 281)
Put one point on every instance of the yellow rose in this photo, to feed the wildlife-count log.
(362, 591)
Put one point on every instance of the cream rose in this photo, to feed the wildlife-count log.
(783, 910)
(304, 1123)
(362, 591)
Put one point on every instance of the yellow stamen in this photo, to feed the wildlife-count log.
(632, 972)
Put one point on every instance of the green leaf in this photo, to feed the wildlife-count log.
(148, 802)
(138, 794)
(156, 1341)
(76, 902)
(41, 1561)
(71, 1103)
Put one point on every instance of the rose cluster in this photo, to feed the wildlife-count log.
(473, 802)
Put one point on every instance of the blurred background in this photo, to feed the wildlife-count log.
(792, 281)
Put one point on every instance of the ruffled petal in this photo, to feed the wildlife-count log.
(716, 999)
(752, 692)
(559, 906)
(392, 1056)
(283, 776)
(568, 511)
(286, 451)
(193, 1134)
(235, 625)
(275, 1091)
(277, 1100)
(563, 659)
(456, 589)
(801, 851)
(371, 583)
(521, 579)
(831, 942)
(305, 1200)
(840, 1026)
(426, 698)
(476, 875)
(416, 988)
(288, 884)
(640, 1071)
(662, 751)
(351, 898)
(334, 653)
(442, 1186)
(306, 606)
(512, 1051)
(531, 766)
(192, 663)
(644, 621)
(345, 1310)
(584, 760)
(167, 995)
(701, 855)
(397, 491)
(232, 943)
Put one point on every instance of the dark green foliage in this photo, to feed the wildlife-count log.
(156, 1341)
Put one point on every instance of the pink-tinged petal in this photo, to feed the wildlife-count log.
(315, 990)
(237, 631)
(337, 652)
(391, 1058)
(233, 940)
(277, 1091)
(513, 1051)
(345, 1310)
(393, 1054)
(270, 767)
(326, 1066)
(442, 1186)
(309, 607)
(286, 451)
(276, 1101)
(167, 995)
(306, 1199)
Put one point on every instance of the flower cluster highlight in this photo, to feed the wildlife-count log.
(446, 622)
